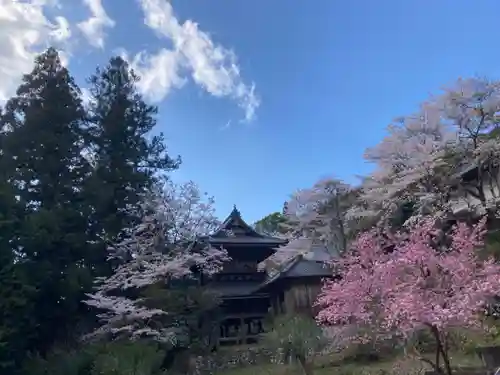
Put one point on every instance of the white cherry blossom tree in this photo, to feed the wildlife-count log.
(422, 159)
(315, 222)
(161, 249)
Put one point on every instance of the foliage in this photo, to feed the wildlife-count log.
(116, 358)
(55, 155)
(126, 158)
(335, 365)
(17, 316)
(492, 244)
(298, 337)
(61, 362)
(272, 224)
(401, 284)
(129, 358)
(44, 169)
(16, 293)
(371, 348)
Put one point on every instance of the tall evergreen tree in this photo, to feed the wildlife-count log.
(42, 155)
(127, 157)
(272, 224)
(16, 293)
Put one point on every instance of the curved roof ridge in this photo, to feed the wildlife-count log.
(234, 227)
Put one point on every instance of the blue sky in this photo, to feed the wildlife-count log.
(329, 76)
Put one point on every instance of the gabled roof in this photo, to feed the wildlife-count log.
(235, 230)
(313, 263)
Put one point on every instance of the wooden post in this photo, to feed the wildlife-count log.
(242, 333)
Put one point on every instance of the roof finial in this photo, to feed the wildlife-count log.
(235, 211)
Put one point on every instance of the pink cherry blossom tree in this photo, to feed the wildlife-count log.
(400, 284)
(162, 248)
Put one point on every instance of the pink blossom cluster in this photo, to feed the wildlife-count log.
(404, 282)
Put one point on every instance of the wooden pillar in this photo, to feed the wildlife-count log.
(281, 302)
(242, 333)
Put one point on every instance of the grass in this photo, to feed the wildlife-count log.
(337, 366)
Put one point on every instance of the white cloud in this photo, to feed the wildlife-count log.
(159, 72)
(212, 66)
(62, 32)
(93, 28)
(24, 31)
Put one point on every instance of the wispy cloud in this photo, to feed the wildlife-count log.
(211, 66)
(159, 72)
(94, 27)
(226, 126)
(26, 29)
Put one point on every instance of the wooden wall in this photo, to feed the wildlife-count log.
(296, 295)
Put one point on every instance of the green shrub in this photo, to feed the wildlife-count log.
(372, 348)
(117, 358)
(128, 358)
(61, 362)
(299, 337)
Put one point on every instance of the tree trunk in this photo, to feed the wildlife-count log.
(443, 349)
(307, 367)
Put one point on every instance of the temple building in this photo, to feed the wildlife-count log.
(249, 294)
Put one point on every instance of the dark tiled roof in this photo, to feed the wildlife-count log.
(307, 268)
(310, 264)
(235, 230)
(233, 289)
(247, 240)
